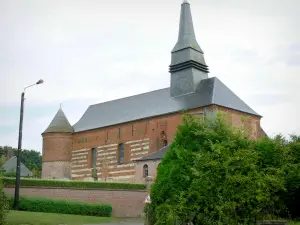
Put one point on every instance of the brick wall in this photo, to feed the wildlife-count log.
(250, 123)
(124, 203)
(139, 138)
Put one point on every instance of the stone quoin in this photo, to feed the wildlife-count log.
(124, 140)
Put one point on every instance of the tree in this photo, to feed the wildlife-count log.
(213, 174)
(3, 159)
(30, 158)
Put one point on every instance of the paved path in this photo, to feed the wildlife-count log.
(138, 221)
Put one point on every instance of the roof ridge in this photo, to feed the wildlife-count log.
(154, 153)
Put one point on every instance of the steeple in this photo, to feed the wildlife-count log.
(59, 123)
(188, 66)
(186, 36)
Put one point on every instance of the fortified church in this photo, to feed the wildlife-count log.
(109, 144)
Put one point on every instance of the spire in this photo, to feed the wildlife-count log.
(186, 36)
(59, 123)
(188, 66)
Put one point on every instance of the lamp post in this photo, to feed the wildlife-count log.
(18, 170)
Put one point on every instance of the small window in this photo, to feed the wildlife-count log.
(132, 130)
(94, 158)
(119, 133)
(121, 153)
(145, 170)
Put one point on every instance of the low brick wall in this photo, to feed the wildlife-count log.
(125, 203)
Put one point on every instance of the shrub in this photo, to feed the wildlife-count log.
(47, 205)
(4, 205)
(213, 175)
(73, 184)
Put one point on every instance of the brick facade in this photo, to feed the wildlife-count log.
(67, 155)
(140, 138)
(124, 203)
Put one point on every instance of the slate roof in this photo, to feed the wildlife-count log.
(210, 91)
(158, 155)
(11, 165)
(59, 123)
(186, 36)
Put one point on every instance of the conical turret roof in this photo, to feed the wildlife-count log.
(59, 123)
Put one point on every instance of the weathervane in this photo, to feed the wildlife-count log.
(185, 1)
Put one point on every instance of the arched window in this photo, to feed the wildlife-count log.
(145, 170)
(121, 153)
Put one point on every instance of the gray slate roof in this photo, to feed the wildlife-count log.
(11, 164)
(158, 155)
(210, 91)
(59, 123)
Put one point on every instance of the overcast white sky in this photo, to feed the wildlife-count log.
(90, 51)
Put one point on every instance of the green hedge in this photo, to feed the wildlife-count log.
(47, 205)
(73, 184)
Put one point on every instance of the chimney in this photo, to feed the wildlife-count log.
(10, 153)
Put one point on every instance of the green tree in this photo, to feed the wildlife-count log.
(213, 174)
(3, 159)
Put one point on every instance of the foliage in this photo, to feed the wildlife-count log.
(213, 174)
(30, 158)
(25, 182)
(37, 218)
(3, 159)
(41, 204)
(9, 174)
(4, 205)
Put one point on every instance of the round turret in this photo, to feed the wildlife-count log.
(57, 148)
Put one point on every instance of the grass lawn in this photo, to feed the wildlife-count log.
(34, 218)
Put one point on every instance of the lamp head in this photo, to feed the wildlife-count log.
(40, 81)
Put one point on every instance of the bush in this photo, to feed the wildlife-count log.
(73, 184)
(4, 205)
(47, 205)
(213, 174)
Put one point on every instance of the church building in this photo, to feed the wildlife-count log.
(109, 144)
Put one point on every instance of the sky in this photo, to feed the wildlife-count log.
(92, 51)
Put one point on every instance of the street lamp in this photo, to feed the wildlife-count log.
(18, 174)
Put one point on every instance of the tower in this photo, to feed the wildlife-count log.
(57, 148)
(188, 66)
